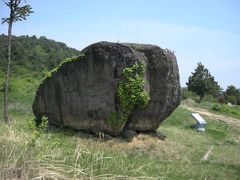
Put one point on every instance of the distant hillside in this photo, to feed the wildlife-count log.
(34, 55)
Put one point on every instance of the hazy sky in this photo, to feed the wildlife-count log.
(206, 31)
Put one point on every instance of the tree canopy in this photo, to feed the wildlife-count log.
(33, 55)
(232, 95)
(202, 82)
(17, 12)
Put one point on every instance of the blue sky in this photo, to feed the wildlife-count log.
(206, 31)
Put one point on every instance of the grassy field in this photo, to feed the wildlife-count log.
(224, 109)
(30, 153)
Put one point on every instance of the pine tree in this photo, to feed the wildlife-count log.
(202, 82)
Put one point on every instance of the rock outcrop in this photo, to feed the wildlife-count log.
(82, 92)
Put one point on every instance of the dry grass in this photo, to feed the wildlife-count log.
(24, 156)
(63, 154)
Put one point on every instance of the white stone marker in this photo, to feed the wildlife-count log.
(201, 123)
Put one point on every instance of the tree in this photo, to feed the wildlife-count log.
(238, 97)
(231, 91)
(202, 82)
(17, 13)
(231, 94)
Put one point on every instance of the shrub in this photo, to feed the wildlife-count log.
(216, 107)
(115, 121)
(35, 128)
(238, 99)
(231, 99)
(189, 95)
(221, 99)
(209, 98)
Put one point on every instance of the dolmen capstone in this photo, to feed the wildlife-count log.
(111, 87)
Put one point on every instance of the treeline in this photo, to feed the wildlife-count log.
(232, 95)
(33, 54)
(201, 86)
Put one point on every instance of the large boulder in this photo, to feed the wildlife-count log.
(82, 92)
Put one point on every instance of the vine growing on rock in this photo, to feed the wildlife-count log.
(130, 93)
(68, 60)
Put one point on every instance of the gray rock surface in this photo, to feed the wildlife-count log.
(82, 94)
(128, 134)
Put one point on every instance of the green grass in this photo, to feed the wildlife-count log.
(233, 111)
(26, 153)
(224, 109)
(22, 89)
(68, 154)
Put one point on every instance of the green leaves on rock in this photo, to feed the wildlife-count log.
(130, 94)
(68, 60)
(130, 91)
(116, 121)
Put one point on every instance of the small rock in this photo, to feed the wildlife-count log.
(160, 135)
(107, 137)
(128, 134)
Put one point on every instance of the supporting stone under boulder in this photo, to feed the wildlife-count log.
(83, 92)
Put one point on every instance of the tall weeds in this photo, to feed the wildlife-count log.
(25, 155)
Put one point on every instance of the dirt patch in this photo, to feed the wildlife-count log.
(208, 114)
